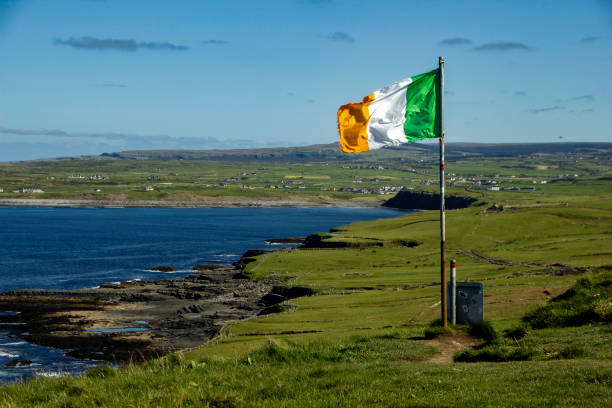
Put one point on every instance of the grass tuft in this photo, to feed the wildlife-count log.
(584, 303)
(483, 330)
(102, 371)
(571, 352)
(516, 333)
(496, 353)
(393, 346)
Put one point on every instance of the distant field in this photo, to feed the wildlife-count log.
(374, 179)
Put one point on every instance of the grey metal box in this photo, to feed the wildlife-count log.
(470, 304)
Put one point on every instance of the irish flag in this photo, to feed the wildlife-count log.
(403, 112)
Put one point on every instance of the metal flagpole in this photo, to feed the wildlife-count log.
(442, 209)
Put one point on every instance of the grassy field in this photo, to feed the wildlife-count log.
(370, 180)
(361, 340)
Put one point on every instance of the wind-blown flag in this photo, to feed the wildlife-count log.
(403, 112)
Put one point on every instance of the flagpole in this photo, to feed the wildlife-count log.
(442, 209)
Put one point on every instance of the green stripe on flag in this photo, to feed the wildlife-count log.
(422, 115)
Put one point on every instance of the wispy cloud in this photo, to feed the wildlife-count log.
(589, 40)
(455, 41)
(579, 98)
(108, 141)
(26, 144)
(340, 36)
(111, 85)
(215, 42)
(109, 136)
(590, 110)
(520, 93)
(502, 46)
(451, 93)
(547, 109)
(584, 98)
(102, 44)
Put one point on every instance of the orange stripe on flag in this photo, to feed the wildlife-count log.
(352, 125)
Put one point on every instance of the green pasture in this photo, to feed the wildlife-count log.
(522, 256)
(185, 180)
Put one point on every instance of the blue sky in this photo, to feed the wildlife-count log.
(93, 76)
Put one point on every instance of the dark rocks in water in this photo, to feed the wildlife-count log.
(180, 314)
(162, 268)
(255, 252)
(61, 318)
(18, 363)
(317, 241)
(411, 200)
(290, 240)
(207, 267)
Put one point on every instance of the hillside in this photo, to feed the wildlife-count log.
(331, 152)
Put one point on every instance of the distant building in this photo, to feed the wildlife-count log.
(149, 188)
(31, 190)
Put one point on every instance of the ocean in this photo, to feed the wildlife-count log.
(72, 248)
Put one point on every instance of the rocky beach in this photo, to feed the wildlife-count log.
(137, 320)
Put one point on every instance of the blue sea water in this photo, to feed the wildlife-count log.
(71, 248)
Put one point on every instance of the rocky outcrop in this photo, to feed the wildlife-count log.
(289, 240)
(139, 319)
(411, 200)
(319, 241)
(162, 268)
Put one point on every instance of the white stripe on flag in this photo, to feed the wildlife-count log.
(387, 115)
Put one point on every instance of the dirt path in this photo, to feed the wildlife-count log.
(449, 345)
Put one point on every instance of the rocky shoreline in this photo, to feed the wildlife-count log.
(238, 203)
(137, 320)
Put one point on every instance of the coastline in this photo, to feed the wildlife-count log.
(51, 202)
(140, 319)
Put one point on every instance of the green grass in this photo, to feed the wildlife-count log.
(362, 370)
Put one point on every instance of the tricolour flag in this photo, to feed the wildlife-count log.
(403, 112)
